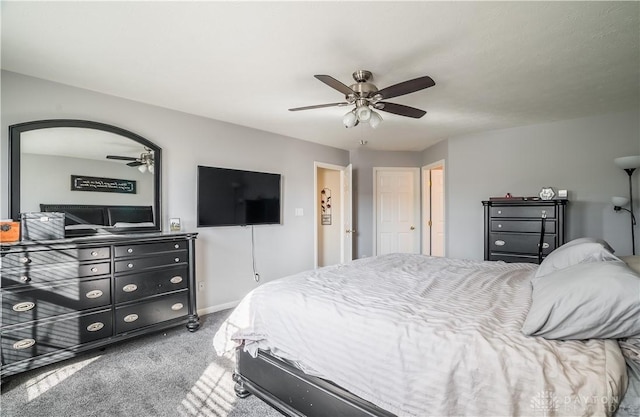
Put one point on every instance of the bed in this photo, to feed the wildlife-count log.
(412, 335)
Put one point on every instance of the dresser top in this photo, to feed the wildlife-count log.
(518, 202)
(100, 239)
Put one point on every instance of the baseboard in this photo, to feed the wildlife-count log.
(216, 308)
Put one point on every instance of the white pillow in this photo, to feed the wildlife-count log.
(598, 300)
(590, 240)
(574, 253)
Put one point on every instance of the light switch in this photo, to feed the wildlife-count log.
(299, 212)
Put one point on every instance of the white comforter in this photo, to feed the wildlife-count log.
(423, 336)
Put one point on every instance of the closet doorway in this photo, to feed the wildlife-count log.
(433, 209)
(333, 214)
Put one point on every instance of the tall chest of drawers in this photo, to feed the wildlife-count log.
(512, 229)
(67, 296)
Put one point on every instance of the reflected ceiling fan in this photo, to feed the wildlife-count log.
(366, 98)
(144, 162)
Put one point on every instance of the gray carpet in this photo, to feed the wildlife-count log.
(171, 373)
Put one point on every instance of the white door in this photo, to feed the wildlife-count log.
(433, 209)
(437, 212)
(396, 210)
(333, 228)
(347, 217)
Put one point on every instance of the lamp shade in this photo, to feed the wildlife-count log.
(142, 168)
(363, 113)
(375, 119)
(349, 119)
(628, 162)
(619, 201)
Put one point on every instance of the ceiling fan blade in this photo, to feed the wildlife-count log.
(121, 158)
(400, 109)
(406, 87)
(134, 164)
(333, 83)
(319, 106)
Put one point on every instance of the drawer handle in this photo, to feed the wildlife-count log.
(499, 226)
(130, 288)
(130, 318)
(545, 245)
(94, 294)
(94, 269)
(25, 260)
(94, 327)
(177, 246)
(499, 211)
(25, 278)
(24, 344)
(130, 250)
(129, 265)
(94, 253)
(500, 243)
(177, 259)
(25, 306)
(176, 280)
(177, 306)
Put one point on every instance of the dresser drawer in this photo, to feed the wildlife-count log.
(57, 272)
(50, 336)
(24, 305)
(523, 226)
(136, 286)
(514, 258)
(146, 313)
(520, 243)
(149, 248)
(523, 211)
(48, 257)
(150, 262)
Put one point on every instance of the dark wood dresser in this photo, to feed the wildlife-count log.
(66, 296)
(512, 229)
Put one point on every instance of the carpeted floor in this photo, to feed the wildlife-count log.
(171, 373)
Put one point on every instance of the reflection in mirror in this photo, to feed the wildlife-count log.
(104, 178)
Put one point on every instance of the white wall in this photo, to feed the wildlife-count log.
(576, 155)
(224, 253)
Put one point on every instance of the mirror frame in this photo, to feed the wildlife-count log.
(15, 132)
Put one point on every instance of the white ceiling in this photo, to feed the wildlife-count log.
(495, 64)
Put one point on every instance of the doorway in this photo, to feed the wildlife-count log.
(333, 214)
(396, 210)
(433, 209)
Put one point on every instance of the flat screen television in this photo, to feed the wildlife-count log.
(231, 197)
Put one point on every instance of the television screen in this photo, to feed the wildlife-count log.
(231, 197)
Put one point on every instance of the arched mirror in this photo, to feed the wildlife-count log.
(104, 178)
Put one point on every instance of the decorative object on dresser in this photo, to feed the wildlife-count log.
(629, 165)
(522, 230)
(72, 295)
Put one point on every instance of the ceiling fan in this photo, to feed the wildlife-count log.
(144, 162)
(366, 97)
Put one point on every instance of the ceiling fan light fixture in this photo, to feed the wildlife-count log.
(375, 119)
(150, 168)
(142, 168)
(350, 119)
(363, 113)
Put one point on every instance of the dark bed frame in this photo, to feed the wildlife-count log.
(294, 393)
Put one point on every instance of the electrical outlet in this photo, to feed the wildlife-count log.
(200, 285)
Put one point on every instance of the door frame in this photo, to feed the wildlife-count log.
(322, 165)
(426, 206)
(416, 189)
